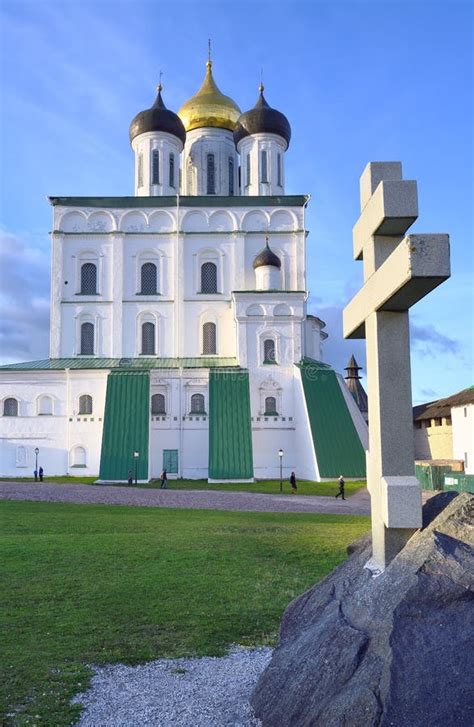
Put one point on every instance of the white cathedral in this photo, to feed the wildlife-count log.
(180, 336)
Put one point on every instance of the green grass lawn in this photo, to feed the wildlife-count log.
(94, 584)
(267, 487)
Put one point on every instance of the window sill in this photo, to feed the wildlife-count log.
(270, 414)
(88, 295)
(197, 414)
(78, 466)
(269, 363)
(149, 295)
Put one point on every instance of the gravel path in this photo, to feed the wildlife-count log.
(206, 692)
(358, 504)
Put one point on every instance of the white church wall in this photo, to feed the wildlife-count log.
(266, 443)
(254, 181)
(462, 418)
(200, 143)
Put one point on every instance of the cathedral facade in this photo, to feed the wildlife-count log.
(180, 335)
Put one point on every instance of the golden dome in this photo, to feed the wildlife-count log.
(209, 107)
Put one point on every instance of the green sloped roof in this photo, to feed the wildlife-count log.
(337, 446)
(126, 422)
(230, 429)
(57, 364)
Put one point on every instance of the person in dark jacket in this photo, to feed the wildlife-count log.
(341, 487)
(130, 477)
(293, 483)
(164, 480)
(40, 472)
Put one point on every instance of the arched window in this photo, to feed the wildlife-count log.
(171, 170)
(209, 338)
(279, 170)
(264, 167)
(88, 279)
(209, 278)
(155, 167)
(197, 404)
(148, 339)
(45, 406)
(140, 170)
(269, 351)
(149, 279)
(10, 407)
(271, 406)
(231, 177)
(85, 404)
(158, 404)
(78, 457)
(87, 339)
(211, 174)
(247, 167)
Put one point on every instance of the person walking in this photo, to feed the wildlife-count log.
(36, 475)
(341, 487)
(130, 477)
(293, 483)
(164, 480)
(40, 472)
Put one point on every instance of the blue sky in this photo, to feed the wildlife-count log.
(359, 81)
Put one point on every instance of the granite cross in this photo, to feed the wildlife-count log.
(398, 272)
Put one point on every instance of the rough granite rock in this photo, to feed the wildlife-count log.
(393, 651)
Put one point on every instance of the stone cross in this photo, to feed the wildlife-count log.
(398, 272)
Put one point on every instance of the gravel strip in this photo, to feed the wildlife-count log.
(358, 504)
(206, 692)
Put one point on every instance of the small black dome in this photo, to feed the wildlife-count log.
(267, 257)
(158, 118)
(262, 119)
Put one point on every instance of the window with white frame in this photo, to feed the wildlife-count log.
(45, 406)
(263, 166)
(10, 407)
(270, 406)
(149, 279)
(158, 404)
(269, 353)
(279, 170)
(231, 177)
(148, 339)
(208, 278)
(85, 404)
(155, 167)
(87, 339)
(211, 174)
(88, 279)
(247, 170)
(171, 170)
(197, 404)
(209, 342)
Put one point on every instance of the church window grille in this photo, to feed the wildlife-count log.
(270, 406)
(149, 279)
(231, 177)
(85, 404)
(248, 170)
(87, 339)
(269, 351)
(264, 167)
(88, 279)
(209, 345)
(171, 170)
(140, 170)
(209, 278)
(211, 174)
(197, 404)
(279, 170)
(10, 407)
(155, 167)
(158, 404)
(148, 339)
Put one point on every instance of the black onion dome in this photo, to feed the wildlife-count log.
(262, 119)
(158, 118)
(267, 257)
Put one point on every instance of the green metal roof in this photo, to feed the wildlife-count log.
(58, 364)
(230, 429)
(337, 446)
(126, 421)
(184, 201)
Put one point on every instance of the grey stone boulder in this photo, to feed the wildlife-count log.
(396, 650)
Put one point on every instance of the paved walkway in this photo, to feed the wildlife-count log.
(358, 504)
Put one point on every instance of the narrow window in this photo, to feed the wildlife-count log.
(88, 279)
(231, 177)
(197, 404)
(269, 351)
(264, 169)
(465, 411)
(279, 170)
(140, 170)
(209, 338)
(247, 162)
(209, 278)
(45, 406)
(211, 174)
(85, 404)
(148, 339)
(87, 339)
(10, 407)
(171, 170)
(155, 167)
(158, 404)
(271, 406)
(148, 279)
